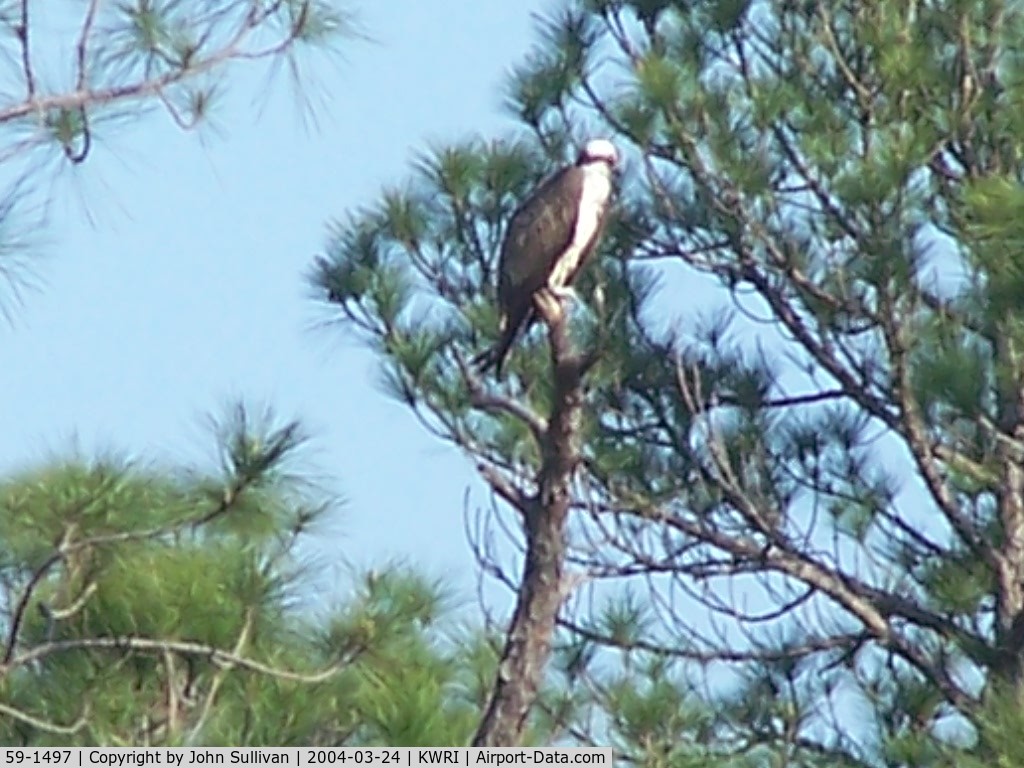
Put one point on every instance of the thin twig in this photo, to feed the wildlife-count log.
(43, 725)
(22, 32)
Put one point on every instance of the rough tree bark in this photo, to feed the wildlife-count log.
(542, 588)
(1010, 556)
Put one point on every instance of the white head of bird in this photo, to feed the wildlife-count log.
(599, 151)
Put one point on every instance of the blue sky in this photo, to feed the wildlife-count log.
(173, 278)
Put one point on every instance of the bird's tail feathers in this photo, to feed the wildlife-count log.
(495, 356)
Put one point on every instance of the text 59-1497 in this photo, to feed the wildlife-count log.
(37, 756)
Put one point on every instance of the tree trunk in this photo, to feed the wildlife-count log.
(528, 645)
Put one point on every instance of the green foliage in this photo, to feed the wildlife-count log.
(554, 70)
(991, 211)
(654, 716)
(999, 744)
(146, 606)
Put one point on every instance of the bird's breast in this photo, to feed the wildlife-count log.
(597, 190)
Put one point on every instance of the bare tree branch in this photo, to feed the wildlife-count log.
(44, 725)
(217, 656)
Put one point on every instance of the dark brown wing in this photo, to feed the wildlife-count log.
(538, 233)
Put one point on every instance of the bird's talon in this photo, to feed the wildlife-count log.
(564, 293)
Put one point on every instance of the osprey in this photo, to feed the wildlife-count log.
(549, 239)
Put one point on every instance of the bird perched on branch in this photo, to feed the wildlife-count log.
(549, 239)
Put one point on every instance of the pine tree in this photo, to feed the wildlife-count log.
(150, 605)
(778, 448)
(75, 73)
